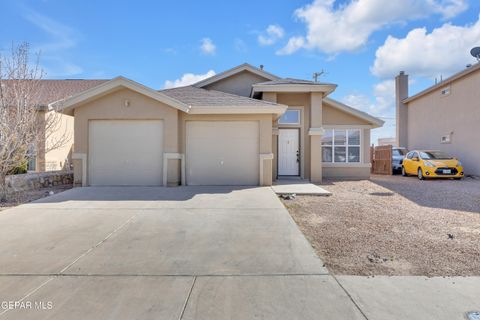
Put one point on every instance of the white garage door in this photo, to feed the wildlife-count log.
(125, 152)
(222, 153)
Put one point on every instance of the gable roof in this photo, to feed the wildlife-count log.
(213, 101)
(67, 105)
(48, 91)
(445, 82)
(236, 70)
(376, 122)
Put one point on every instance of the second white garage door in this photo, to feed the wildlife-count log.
(222, 153)
(125, 152)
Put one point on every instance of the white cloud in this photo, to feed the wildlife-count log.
(332, 27)
(271, 35)
(188, 79)
(442, 52)
(208, 47)
(382, 106)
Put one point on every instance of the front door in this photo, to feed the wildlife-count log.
(288, 152)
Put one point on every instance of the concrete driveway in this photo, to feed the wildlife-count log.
(162, 253)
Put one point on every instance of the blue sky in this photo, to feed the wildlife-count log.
(360, 44)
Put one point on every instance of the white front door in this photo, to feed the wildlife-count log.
(288, 152)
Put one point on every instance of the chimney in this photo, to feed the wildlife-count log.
(401, 93)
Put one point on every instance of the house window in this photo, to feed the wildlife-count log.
(32, 158)
(290, 117)
(341, 146)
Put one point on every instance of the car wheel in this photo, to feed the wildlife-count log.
(420, 174)
(404, 173)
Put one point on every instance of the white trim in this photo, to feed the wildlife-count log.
(316, 131)
(239, 110)
(275, 131)
(234, 71)
(326, 88)
(67, 105)
(376, 123)
(264, 156)
(83, 158)
(173, 156)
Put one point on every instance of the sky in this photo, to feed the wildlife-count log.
(360, 45)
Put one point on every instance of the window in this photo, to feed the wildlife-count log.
(290, 117)
(341, 146)
(32, 158)
(410, 155)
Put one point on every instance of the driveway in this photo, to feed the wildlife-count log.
(162, 253)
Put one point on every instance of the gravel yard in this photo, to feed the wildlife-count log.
(18, 198)
(393, 225)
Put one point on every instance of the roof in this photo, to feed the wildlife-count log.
(202, 100)
(233, 71)
(49, 91)
(67, 105)
(445, 82)
(376, 122)
(292, 81)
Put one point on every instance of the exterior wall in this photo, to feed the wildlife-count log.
(334, 116)
(37, 180)
(297, 101)
(401, 110)
(265, 135)
(349, 173)
(239, 84)
(435, 115)
(112, 107)
(60, 158)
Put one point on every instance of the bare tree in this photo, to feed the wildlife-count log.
(22, 123)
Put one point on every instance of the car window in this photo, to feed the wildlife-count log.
(434, 155)
(398, 152)
(410, 155)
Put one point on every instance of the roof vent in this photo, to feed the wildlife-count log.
(261, 67)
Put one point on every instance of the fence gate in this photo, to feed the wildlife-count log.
(381, 158)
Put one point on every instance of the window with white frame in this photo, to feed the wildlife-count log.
(291, 116)
(341, 146)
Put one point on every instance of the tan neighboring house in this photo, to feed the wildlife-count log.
(443, 117)
(244, 126)
(49, 91)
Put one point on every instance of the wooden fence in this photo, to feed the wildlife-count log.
(381, 158)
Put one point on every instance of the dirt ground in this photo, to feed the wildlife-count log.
(18, 198)
(394, 225)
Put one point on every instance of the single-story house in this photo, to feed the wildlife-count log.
(244, 126)
(445, 116)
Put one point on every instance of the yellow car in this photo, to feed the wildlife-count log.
(431, 164)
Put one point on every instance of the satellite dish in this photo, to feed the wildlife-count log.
(475, 52)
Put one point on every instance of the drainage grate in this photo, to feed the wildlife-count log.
(473, 315)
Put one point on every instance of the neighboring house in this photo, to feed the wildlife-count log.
(244, 126)
(443, 117)
(48, 91)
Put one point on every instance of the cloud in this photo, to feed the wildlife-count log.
(443, 51)
(271, 35)
(188, 79)
(382, 106)
(333, 27)
(61, 39)
(208, 47)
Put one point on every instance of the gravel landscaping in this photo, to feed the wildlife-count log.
(21, 197)
(393, 225)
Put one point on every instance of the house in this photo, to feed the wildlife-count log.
(54, 148)
(244, 126)
(445, 116)
(387, 142)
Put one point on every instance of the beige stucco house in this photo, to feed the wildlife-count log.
(443, 117)
(244, 126)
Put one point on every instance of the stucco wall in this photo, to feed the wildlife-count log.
(239, 84)
(112, 107)
(334, 116)
(59, 158)
(458, 114)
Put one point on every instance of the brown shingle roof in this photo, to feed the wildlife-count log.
(53, 90)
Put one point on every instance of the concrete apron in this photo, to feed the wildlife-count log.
(162, 253)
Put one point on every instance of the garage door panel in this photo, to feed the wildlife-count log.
(222, 153)
(125, 152)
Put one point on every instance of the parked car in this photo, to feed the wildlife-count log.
(431, 164)
(398, 154)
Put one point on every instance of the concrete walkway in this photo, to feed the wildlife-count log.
(191, 253)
